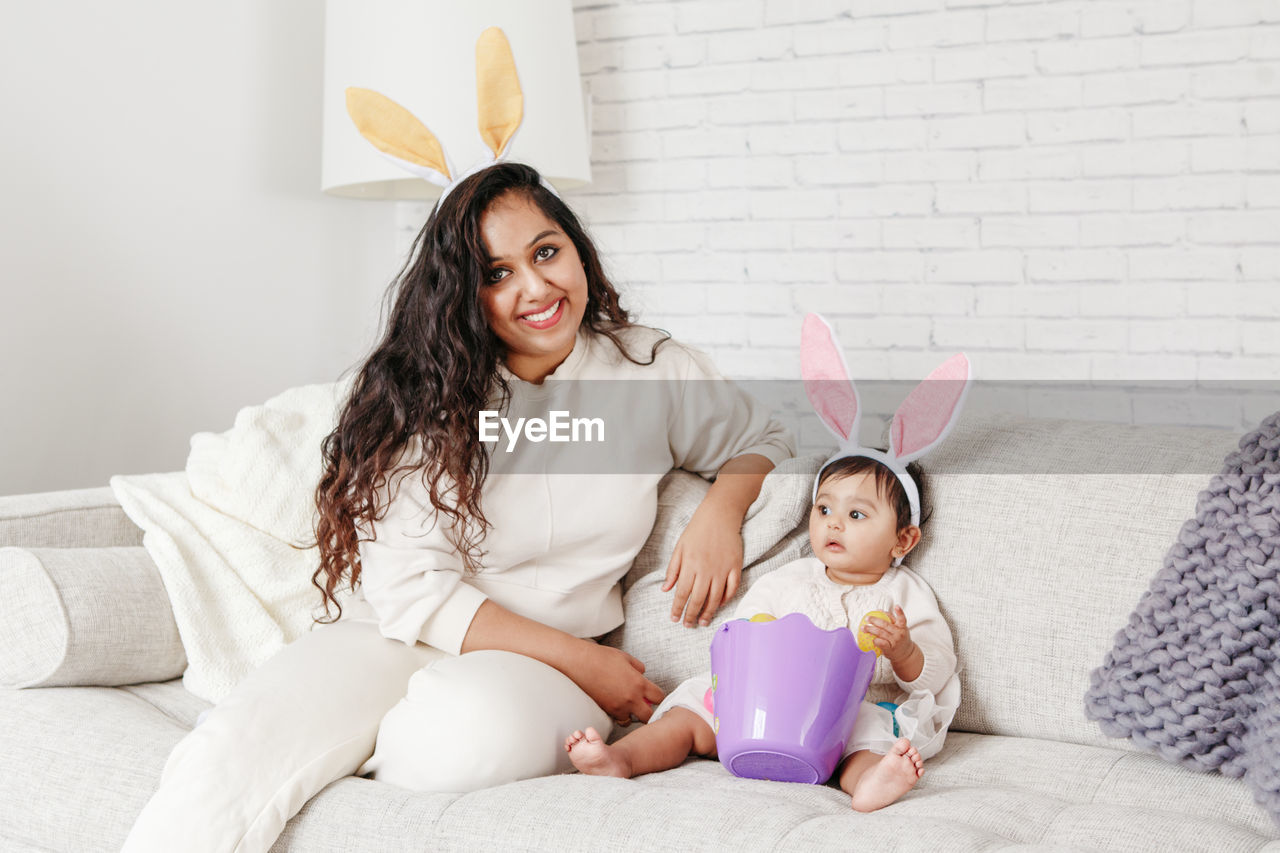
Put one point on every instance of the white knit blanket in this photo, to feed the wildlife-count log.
(223, 534)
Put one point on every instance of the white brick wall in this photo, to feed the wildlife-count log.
(1068, 189)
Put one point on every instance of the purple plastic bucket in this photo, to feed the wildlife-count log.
(785, 697)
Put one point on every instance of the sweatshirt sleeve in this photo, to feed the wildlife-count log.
(715, 420)
(930, 632)
(413, 577)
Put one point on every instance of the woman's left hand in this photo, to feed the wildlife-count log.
(706, 565)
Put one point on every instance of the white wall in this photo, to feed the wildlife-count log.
(167, 256)
(1069, 190)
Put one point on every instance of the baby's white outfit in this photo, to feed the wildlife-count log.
(926, 705)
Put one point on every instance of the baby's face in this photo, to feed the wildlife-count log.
(853, 529)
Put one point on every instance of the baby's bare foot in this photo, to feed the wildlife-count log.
(591, 755)
(895, 774)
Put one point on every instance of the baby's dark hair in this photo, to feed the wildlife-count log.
(887, 484)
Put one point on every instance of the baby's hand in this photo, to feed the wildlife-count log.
(892, 638)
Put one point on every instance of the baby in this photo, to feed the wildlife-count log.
(864, 520)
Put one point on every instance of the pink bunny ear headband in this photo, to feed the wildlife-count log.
(406, 142)
(921, 423)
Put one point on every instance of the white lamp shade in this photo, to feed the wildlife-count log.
(421, 54)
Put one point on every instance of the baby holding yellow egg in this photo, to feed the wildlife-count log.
(858, 527)
(865, 519)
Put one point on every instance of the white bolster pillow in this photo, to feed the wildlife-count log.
(86, 616)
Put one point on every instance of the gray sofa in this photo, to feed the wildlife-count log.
(1044, 535)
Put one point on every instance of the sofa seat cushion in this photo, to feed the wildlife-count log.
(79, 763)
(982, 792)
(1065, 795)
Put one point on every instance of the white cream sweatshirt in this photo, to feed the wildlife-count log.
(567, 517)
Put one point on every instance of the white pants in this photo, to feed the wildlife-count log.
(344, 700)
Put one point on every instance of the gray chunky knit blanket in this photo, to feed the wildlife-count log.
(1195, 675)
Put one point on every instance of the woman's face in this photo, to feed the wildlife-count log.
(535, 290)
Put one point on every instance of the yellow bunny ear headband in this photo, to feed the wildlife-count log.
(405, 141)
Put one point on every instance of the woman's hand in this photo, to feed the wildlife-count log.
(615, 681)
(706, 565)
(612, 678)
(894, 641)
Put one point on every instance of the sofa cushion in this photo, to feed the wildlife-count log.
(78, 518)
(980, 793)
(171, 699)
(774, 533)
(79, 763)
(97, 616)
(1044, 536)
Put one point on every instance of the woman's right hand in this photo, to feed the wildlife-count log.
(615, 681)
(612, 678)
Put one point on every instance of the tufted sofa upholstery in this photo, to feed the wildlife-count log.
(1043, 537)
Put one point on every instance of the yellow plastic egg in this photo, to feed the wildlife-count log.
(867, 642)
(763, 617)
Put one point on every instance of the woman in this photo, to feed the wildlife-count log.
(476, 590)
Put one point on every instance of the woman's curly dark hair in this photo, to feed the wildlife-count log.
(414, 403)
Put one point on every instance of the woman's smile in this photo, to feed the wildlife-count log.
(546, 318)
